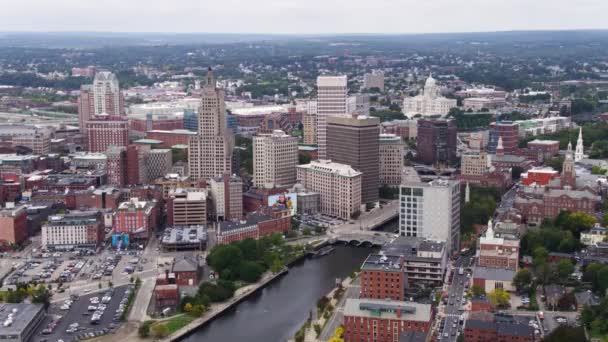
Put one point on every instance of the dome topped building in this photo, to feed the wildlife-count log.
(430, 103)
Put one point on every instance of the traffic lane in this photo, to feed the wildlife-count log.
(75, 315)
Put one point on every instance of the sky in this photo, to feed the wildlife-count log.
(301, 16)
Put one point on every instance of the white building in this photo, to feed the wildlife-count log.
(106, 94)
(339, 186)
(594, 235)
(275, 157)
(331, 100)
(76, 229)
(431, 210)
(358, 103)
(391, 159)
(430, 103)
(373, 80)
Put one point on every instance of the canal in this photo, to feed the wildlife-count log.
(276, 312)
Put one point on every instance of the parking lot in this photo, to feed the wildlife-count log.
(79, 316)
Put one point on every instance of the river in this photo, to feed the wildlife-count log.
(279, 310)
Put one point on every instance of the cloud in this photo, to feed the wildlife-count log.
(300, 16)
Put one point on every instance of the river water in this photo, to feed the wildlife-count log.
(276, 312)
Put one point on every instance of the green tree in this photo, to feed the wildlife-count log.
(564, 269)
(477, 291)
(499, 297)
(578, 222)
(188, 307)
(144, 329)
(160, 330)
(250, 271)
(522, 279)
(198, 310)
(540, 255)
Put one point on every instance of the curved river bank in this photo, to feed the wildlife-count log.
(276, 312)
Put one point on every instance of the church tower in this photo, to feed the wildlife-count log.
(578, 153)
(568, 178)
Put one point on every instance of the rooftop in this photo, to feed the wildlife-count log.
(382, 262)
(325, 165)
(184, 235)
(21, 315)
(148, 142)
(493, 273)
(388, 309)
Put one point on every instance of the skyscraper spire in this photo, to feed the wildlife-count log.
(578, 154)
(210, 78)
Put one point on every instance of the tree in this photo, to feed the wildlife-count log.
(250, 271)
(499, 297)
(144, 329)
(303, 158)
(522, 279)
(477, 291)
(188, 307)
(566, 333)
(160, 330)
(198, 310)
(564, 269)
(540, 255)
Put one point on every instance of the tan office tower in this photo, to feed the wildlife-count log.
(275, 157)
(210, 151)
(310, 128)
(353, 140)
(331, 101)
(101, 97)
(391, 159)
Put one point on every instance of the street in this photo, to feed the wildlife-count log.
(450, 327)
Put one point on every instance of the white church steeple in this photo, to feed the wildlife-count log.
(578, 153)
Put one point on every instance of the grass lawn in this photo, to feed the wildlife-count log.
(176, 322)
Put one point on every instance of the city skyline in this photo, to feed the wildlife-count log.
(293, 17)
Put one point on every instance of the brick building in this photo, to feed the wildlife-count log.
(436, 142)
(382, 277)
(374, 320)
(186, 270)
(116, 166)
(75, 229)
(104, 131)
(136, 218)
(13, 224)
(498, 252)
(539, 176)
(503, 330)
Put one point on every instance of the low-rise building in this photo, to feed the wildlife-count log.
(594, 235)
(20, 321)
(498, 252)
(383, 321)
(507, 330)
(382, 277)
(490, 278)
(13, 224)
(75, 229)
(186, 270)
(136, 218)
(184, 238)
(539, 176)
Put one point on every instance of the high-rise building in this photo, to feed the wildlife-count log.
(107, 97)
(309, 123)
(358, 103)
(431, 210)
(101, 97)
(104, 131)
(227, 197)
(373, 80)
(339, 186)
(275, 157)
(437, 141)
(136, 166)
(116, 166)
(391, 159)
(158, 163)
(331, 101)
(353, 140)
(187, 207)
(210, 152)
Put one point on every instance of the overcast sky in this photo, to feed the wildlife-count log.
(301, 16)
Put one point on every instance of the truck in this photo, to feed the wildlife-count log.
(541, 315)
(460, 271)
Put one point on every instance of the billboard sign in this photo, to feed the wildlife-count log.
(287, 200)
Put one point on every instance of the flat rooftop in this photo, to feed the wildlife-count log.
(22, 315)
(388, 309)
(184, 235)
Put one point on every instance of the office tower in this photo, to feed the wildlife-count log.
(373, 80)
(116, 166)
(391, 159)
(275, 157)
(86, 110)
(353, 140)
(339, 186)
(309, 123)
(136, 166)
(436, 141)
(104, 131)
(431, 210)
(210, 152)
(358, 103)
(107, 97)
(331, 101)
(187, 207)
(227, 197)
(158, 163)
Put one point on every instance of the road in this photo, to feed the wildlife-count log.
(506, 202)
(353, 291)
(456, 290)
(369, 220)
